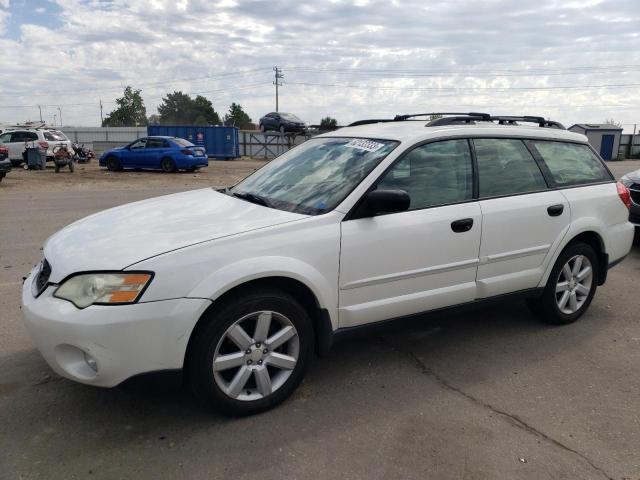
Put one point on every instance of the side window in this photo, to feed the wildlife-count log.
(433, 174)
(18, 137)
(48, 136)
(505, 167)
(5, 137)
(155, 143)
(31, 136)
(571, 164)
(138, 144)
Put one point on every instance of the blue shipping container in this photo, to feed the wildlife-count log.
(219, 142)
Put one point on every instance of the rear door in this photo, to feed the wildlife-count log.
(16, 144)
(413, 261)
(523, 221)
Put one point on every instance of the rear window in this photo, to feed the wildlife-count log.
(182, 142)
(571, 163)
(54, 135)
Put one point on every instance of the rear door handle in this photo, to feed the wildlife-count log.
(463, 225)
(555, 210)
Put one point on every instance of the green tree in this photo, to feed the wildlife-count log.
(130, 111)
(237, 117)
(328, 123)
(178, 108)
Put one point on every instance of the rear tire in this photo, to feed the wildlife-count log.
(570, 287)
(262, 128)
(262, 372)
(113, 164)
(168, 165)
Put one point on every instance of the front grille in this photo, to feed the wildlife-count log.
(635, 193)
(42, 279)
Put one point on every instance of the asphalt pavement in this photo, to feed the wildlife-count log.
(488, 393)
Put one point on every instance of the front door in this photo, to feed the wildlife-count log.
(425, 258)
(522, 220)
(606, 147)
(135, 157)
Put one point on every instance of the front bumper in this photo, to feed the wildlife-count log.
(119, 341)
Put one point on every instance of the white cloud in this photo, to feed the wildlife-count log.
(95, 48)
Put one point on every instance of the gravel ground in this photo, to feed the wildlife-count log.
(488, 393)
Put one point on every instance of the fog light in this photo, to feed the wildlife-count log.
(91, 362)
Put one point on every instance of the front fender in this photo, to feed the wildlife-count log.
(223, 280)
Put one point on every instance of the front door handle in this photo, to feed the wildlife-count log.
(555, 210)
(463, 225)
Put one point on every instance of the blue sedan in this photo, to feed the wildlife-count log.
(168, 154)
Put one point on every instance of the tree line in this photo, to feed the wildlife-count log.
(179, 108)
(176, 108)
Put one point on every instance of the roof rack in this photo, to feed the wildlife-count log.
(457, 118)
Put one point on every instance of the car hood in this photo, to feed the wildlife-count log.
(634, 176)
(121, 236)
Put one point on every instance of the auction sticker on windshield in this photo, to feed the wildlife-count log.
(364, 144)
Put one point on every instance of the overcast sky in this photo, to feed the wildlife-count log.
(572, 61)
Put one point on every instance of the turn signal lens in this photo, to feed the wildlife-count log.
(624, 193)
(103, 288)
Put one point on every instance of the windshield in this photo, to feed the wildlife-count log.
(316, 176)
(290, 116)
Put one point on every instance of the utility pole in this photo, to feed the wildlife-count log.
(54, 119)
(101, 119)
(39, 108)
(60, 112)
(279, 75)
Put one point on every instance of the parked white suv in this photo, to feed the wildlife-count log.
(378, 221)
(17, 139)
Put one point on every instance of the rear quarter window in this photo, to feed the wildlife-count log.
(571, 163)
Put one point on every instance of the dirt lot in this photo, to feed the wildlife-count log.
(91, 177)
(486, 394)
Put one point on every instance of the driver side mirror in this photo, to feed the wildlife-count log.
(384, 201)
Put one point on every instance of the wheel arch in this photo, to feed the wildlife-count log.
(321, 319)
(590, 236)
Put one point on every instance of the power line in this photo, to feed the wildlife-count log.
(458, 89)
(140, 85)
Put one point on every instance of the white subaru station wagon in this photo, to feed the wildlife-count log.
(374, 222)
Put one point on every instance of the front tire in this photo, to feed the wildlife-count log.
(250, 353)
(113, 164)
(570, 288)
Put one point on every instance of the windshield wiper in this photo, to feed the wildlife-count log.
(253, 198)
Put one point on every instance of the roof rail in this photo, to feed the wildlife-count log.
(500, 119)
(458, 118)
(439, 114)
(367, 122)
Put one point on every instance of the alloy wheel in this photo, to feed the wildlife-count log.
(574, 284)
(252, 366)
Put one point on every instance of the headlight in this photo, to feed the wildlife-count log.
(626, 181)
(103, 288)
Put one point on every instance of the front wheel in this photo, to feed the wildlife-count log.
(570, 288)
(113, 164)
(251, 353)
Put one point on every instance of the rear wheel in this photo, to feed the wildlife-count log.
(251, 353)
(570, 288)
(167, 165)
(113, 164)
(262, 128)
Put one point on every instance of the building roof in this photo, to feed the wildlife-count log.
(595, 126)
